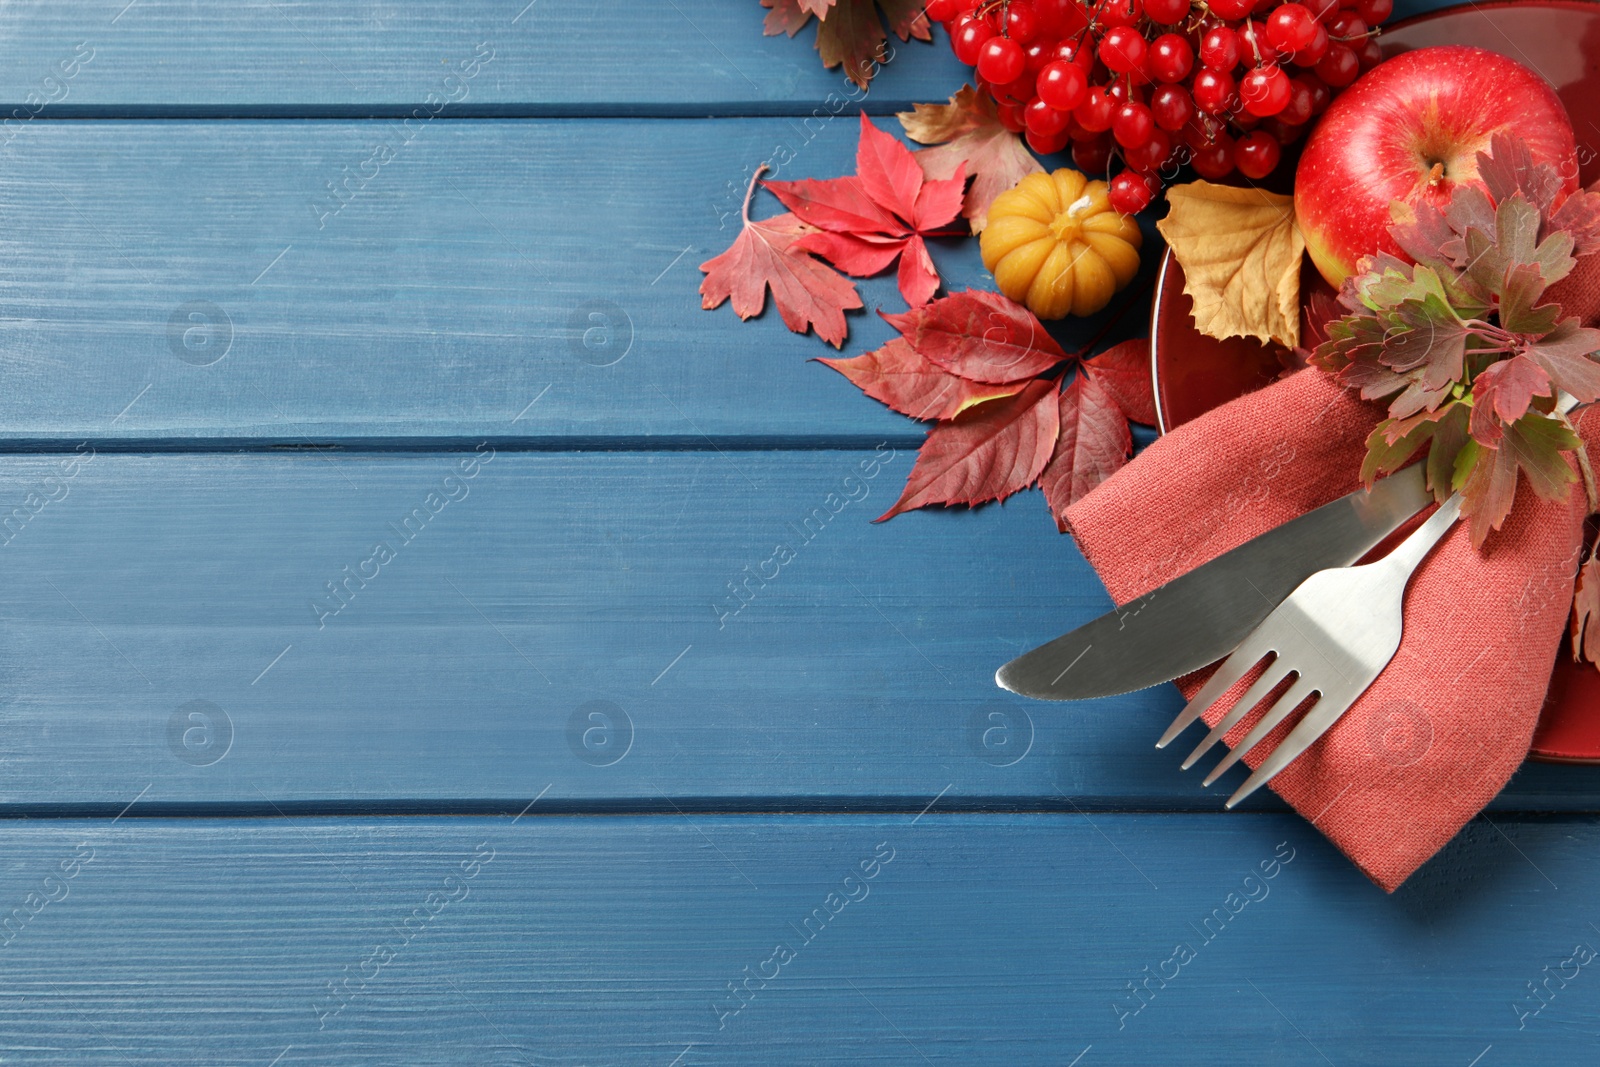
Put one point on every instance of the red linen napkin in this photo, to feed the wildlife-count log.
(1448, 721)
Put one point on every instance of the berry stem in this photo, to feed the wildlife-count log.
(1094, 18)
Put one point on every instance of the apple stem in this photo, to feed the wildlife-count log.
(1436, 173)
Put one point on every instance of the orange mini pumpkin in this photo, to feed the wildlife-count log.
(1054, 243)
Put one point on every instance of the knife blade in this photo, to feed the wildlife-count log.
(1202, 616)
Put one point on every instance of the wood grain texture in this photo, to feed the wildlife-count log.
(853, 670)
(182, 283)
(300, 58)
(977, 939)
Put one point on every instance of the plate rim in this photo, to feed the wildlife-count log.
(1155, 359)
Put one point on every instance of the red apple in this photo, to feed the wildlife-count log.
(1410, 130)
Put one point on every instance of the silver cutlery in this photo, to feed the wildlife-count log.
(1201, 616)
(1333, 636)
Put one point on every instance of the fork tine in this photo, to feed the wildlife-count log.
(1279, 711)
(1317, 722)
(1275, 673)
(1233, 668)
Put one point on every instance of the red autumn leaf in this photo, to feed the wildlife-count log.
(888, 173)
(878, 214)
(860, 256)
(1094, 444)
(765, 255)
(918, 278)
(984, 337)
(1123, 372)
(967, 134)
(901, 378)
(850, 32)
(839, 205)
(986, 453)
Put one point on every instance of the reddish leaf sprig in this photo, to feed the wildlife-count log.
(1459, 345)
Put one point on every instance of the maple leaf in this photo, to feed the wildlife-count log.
(1093, 445)
(1240, 251)
(981, 336)
(849, 32)
(986, 453)
(902, 378)
(1123, 372)
(967, 136)
(878, 214)
(765, 256)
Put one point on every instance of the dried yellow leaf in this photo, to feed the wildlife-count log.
(1240, 251)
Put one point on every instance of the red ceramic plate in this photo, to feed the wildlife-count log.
(1561, 40)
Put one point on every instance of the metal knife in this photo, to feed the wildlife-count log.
(1202, 616)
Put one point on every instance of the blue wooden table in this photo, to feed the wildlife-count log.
(283, 282)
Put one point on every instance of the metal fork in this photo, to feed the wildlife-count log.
(1334, 634)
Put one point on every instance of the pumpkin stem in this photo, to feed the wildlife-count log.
(749, 194)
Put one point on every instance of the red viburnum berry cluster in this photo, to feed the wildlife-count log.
(1222, 85)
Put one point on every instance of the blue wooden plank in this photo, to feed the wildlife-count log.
(302, 58)
(535, 281)
(972, 939)
(620, 630)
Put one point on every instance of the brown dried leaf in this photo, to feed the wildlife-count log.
(850, 32)
(1240, 251)
(1585, 624)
